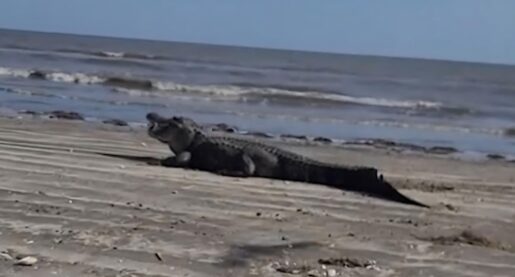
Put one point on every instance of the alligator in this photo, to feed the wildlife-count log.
(228, 155)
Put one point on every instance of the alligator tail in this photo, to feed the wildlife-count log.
(360, 179)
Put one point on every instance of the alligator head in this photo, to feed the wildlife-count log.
(177, 132)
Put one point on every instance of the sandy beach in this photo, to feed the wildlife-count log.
(81, 213)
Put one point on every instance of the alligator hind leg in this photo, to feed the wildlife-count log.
(265, 163)
(248, 167)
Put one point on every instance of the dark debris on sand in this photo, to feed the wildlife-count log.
(495, 157)
(58, 114)
(468, 237)
(322, 140)
(400, 146)
(346, 262)
(259, 134)
(66, 115)
(116, 122)
(510, 132)
(220, 127)
(441, 150)
(297, 137)
(294, 269)
(424, 186)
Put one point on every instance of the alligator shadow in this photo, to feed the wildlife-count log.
(146, 159)
(378, 188)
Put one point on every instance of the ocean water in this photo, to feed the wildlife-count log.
(468, 106)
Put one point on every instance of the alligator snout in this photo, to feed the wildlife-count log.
(153, 117)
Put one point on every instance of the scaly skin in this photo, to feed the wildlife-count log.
(231, 156)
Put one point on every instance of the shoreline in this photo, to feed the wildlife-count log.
(84, 214)
(377, 143)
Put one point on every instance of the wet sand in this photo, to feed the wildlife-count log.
(81, 213)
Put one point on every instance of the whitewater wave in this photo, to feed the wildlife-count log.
(222, 92)
(105, 54)
(111, 54)
(79, 78)
(14, 72)
(233, 91)
(119, 55)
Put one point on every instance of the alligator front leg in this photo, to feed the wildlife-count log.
(181, 160)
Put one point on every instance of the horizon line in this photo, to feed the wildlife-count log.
(264, 48)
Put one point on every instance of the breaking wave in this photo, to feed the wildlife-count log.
(222, 92)
(14, 72)
(271, 92)
(109, 54)
(104, 54)
(79, 78)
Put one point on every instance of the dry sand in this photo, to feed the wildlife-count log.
(83, 214)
